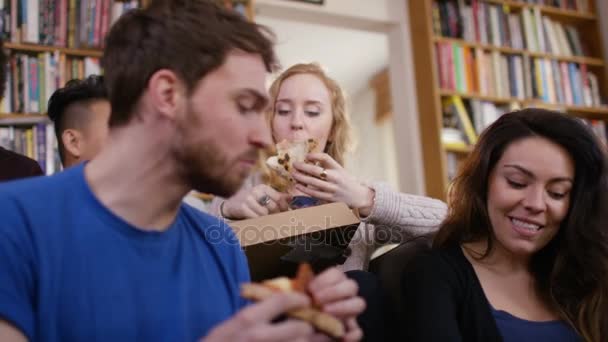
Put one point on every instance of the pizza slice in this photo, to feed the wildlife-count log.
(289, 152)
(322, 321)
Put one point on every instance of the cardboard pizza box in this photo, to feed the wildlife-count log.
(276, 244)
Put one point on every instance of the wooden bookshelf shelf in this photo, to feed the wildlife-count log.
(7, 119)
(566, 14)
(47, 48)
(549, 10)
(21, 115)
(575, 59)
(494, 99)
(527, 102)
(577, 110)
(457, 149)
(587, 110)
(486, 47)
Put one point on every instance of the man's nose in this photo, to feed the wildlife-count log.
(260, 135)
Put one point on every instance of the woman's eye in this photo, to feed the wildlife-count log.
(557, 195)
(282, 111)
(312, 113)
(244, 109)
(516, 185)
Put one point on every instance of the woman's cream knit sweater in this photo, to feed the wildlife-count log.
(395, 217)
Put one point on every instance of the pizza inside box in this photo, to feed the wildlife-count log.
(276, 244)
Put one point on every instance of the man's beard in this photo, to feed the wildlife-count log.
(208, 170)
(205, 165)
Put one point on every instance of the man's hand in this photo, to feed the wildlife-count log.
(337, 295)
(254, 323)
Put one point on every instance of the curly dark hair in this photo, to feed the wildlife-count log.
(572, 270)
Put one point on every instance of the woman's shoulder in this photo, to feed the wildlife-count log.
(446, 263)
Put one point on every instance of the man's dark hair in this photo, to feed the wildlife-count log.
(189, 37)
(74, 91)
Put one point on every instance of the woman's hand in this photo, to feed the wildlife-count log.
(327, 180)
(258, 201)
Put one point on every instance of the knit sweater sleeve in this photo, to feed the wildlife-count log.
(402, 214)
(395, 217)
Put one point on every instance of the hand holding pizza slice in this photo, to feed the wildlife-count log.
(322, 321)
(289, 152)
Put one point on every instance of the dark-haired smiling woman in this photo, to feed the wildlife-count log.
(522, 255)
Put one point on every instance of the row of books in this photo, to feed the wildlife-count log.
(37, 142)
(32, 79)
(575, 5)
(495, 25)
(473, 70)
(463, 121)
(65, 23)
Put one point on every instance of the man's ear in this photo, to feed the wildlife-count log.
(72, 142)
(167, 93)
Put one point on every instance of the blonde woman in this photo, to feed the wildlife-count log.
(306, 103)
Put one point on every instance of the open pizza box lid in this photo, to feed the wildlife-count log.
(276, 244)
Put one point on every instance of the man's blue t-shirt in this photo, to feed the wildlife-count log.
(71, 270)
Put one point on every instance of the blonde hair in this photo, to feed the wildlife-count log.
(340, 140)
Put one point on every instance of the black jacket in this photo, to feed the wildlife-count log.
(443, 300)
(14, 166)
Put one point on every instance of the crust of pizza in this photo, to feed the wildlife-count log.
(322, 321)
(289, 152)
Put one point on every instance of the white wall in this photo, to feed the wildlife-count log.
(392, 18)
(370, 15)
(374, 158)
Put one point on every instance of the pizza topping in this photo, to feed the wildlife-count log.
(289, 153)
(322, 321)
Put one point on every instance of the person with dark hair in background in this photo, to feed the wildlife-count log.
(13, 165)
(80, 111)
(106, 250)
(523, 253)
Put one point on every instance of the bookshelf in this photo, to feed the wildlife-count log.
(47, 43)
(47, 48)
(495, 55)
(507, 50)
(564, 13)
